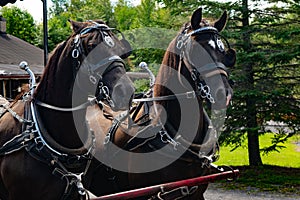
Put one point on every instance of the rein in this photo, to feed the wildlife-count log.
(82, 106)
(203, 90)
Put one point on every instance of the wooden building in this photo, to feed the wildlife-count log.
(13, 51)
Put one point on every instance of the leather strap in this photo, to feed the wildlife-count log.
(80, 107)
(186, 95)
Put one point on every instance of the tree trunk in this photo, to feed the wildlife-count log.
(253, 140)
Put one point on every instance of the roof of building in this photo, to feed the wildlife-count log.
(13, 51)
(4, 2)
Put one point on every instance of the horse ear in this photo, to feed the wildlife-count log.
(76, 26)
(196, 19)
(220, 24)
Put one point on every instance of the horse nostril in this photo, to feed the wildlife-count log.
(122, 95)
(119, 91)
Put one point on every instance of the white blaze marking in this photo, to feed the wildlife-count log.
(212, 43)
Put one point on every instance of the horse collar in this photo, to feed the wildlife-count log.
(68, 165)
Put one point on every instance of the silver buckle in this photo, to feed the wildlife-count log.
(191, 95)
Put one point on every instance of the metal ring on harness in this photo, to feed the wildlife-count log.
(75, 53)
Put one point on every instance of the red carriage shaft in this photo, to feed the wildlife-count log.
(169, 186)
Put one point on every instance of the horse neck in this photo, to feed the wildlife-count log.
(56, 89)
(185, 116)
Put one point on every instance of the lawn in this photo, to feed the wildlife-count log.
(287, 157)
(280, 172)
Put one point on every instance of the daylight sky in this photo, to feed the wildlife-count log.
(35, 7)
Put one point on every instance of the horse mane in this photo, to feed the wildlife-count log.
(171, 59)
(51, 67)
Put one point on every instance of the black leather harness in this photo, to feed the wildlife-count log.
(67, 165)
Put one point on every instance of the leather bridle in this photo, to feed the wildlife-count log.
(95, 77)
(198, 75)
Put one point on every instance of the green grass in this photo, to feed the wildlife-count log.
(266, 178)
(287, 157)
(280, 172)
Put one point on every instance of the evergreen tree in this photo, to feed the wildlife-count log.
(265, 35)
(267, 74)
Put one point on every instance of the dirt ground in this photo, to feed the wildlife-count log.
(215, 192)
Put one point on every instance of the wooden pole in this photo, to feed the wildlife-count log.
(4, 88)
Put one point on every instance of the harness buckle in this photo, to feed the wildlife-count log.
(179, 44)
(108, 40)
(93, 79)
(76, 39)
(39, 143)
(191, 95)
(163, 134)
(194, 75)
(166, 138)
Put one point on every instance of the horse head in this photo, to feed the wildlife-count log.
(102, 71)
(89, 62)
(207, 56)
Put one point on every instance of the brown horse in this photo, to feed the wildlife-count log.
(46, 144)
(176, 139)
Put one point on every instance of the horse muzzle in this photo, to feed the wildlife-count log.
(122, 94)
(222, 98)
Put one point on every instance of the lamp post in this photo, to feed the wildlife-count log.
(45, 29)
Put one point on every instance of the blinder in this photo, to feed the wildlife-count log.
(127, 47)
(230, 58)
(207, 70)
(230, 54)
(95, 71)
(91, 66)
